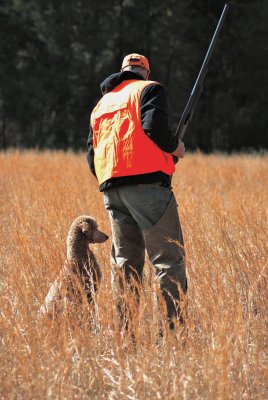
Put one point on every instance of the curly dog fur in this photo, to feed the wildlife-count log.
(81, 269)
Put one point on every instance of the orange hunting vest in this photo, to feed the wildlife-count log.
(121, 148)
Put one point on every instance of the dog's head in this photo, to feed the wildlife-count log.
(89, 228)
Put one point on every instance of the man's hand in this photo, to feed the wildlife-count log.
(180, 150)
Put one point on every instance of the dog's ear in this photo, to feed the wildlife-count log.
(84, 227)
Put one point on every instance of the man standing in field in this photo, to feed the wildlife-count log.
(130, 151)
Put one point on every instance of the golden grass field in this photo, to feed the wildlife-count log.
(222, 354)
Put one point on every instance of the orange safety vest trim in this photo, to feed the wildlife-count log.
(121, 147)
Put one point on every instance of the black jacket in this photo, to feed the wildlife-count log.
(154, 118)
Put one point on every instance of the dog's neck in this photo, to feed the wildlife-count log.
(77, 246)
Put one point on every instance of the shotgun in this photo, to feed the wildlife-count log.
(198, 86)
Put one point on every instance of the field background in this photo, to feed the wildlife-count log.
(222, 202)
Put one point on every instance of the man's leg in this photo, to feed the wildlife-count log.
(128, 250)
(127, 253)
(154, 208)
(164, 244)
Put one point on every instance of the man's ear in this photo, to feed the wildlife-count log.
(84, 227)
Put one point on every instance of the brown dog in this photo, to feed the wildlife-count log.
(81, 270)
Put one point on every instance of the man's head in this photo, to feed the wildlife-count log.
(136, 63)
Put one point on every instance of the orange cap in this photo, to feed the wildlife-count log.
(136, 59)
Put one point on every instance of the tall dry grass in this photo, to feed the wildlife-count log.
(222, 202)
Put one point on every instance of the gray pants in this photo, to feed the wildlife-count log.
(146, 217)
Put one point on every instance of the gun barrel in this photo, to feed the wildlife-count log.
(203, 69)
(192, 101)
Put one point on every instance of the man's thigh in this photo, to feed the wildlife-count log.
(146, 203)
(142, 204)
(116, 207)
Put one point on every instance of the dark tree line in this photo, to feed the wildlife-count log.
(54, 55)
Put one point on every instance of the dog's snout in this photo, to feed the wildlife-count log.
(105, 237)
(99, 237)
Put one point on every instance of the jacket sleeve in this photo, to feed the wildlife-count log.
(90, 152)
(154, 117)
